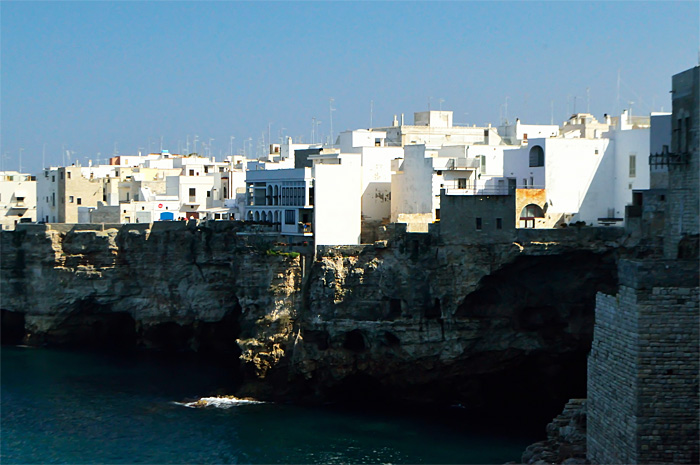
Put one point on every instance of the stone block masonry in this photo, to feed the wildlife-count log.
(643, 368)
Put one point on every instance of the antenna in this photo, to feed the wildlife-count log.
(618, 90)
(441, 100)
(21, 149)
(269, 137)
(331, 110)
(230, 150)
(551, 109)
(63, 154)
(507, 109)
(588, 99)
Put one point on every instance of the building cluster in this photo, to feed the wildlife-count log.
(581, 172)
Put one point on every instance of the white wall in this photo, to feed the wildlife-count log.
(376, 181)
(412, 189)
(633, 142)
(337, 208)
(47, 190)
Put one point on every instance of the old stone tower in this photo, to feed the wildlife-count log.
(645, 359)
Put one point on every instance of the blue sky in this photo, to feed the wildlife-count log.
(84, 75)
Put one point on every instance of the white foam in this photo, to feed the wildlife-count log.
(219, 402)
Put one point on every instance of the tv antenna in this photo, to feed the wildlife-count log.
(331, 110)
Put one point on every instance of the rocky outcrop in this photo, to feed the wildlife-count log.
(172, 287)
(566, 438)
(497, 327)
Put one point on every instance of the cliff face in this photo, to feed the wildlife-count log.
(502, 324)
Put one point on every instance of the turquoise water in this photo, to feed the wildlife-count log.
(69, 407)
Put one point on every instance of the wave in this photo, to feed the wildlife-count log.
(218, 402)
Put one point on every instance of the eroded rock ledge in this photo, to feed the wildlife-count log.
(503, 326)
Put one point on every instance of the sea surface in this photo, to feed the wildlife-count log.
(62, 406)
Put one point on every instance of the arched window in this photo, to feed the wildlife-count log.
(275, 196)
(528, 215)
(536, 156)
(257, 216)
(269, 196)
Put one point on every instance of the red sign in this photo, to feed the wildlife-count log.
(160, 205)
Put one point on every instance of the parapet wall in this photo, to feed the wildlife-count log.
(643, 368)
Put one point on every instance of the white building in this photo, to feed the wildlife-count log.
(376, 160)
(435, 128)
(323, 201)
(587, 173)
(17, 199)
(284, 198)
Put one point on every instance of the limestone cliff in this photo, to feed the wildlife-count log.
(481, 325)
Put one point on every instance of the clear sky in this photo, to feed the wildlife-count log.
(85, 76)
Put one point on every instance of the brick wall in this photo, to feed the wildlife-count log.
(643, 368)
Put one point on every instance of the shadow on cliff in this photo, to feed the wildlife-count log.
(536, 316)
(514, 349)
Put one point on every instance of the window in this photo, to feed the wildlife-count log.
(68, 174)
(536, 156)
(127, 196)
(525, 183)
(482, 164)
(193, 192)
(70, 199)
(53, 178)
(633, 165)
(208, 193)
(61, 174)
(462, 183)
(79, 201)
(289, 217)
(499, 223)
(191, 172)
(532, 181)
(478, 223)
(53, 199)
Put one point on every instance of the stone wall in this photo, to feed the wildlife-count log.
(684, 174)
(643, 367)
